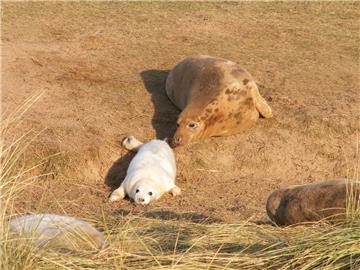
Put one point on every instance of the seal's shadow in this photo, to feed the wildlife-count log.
(166, 114)
(117, 172)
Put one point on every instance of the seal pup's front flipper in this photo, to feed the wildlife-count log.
(117, 194)
(175, 191)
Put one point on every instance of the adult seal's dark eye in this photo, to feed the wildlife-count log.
(137, 191)
(150, 193)
(193, 125)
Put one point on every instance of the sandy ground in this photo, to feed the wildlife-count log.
(103, 66)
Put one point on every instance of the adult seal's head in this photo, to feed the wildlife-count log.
(217, 98)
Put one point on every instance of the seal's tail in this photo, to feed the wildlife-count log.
(131, 143)
(261, 105)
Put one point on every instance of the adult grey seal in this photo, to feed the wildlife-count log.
(312, 202)
(217, 97)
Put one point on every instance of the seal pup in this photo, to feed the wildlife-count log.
(217, 97)
(55, 231)
(151, 172)
(312, 202)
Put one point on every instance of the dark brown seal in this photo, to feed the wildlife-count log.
(217, 98)
(313, 202)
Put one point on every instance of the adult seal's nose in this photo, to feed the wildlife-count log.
(176, 141)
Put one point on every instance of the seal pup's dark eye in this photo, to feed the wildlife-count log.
(193, 125)
(150, 193)
(137, 190)
(177, 125)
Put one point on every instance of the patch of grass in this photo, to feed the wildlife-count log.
(148, 243)
(135, 242)
(15, 176)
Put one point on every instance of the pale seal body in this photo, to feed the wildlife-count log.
(312, 202)
(151, 172)
(57, 231)
(217, 97)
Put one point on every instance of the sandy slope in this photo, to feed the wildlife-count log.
(103, 66)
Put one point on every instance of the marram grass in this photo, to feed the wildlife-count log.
(145, 243)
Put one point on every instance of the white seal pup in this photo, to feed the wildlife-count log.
(57, 231)
(151, 172)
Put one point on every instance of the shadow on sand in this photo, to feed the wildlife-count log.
(166, 114)
(163, 121)
(117, 171)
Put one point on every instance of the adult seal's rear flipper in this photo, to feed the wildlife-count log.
(260, 103)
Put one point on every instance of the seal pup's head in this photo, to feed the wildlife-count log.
(144, 192)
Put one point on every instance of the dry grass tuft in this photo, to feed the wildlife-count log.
(14, 177)
(135, 243)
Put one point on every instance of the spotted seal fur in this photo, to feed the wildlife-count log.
(217, 97)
